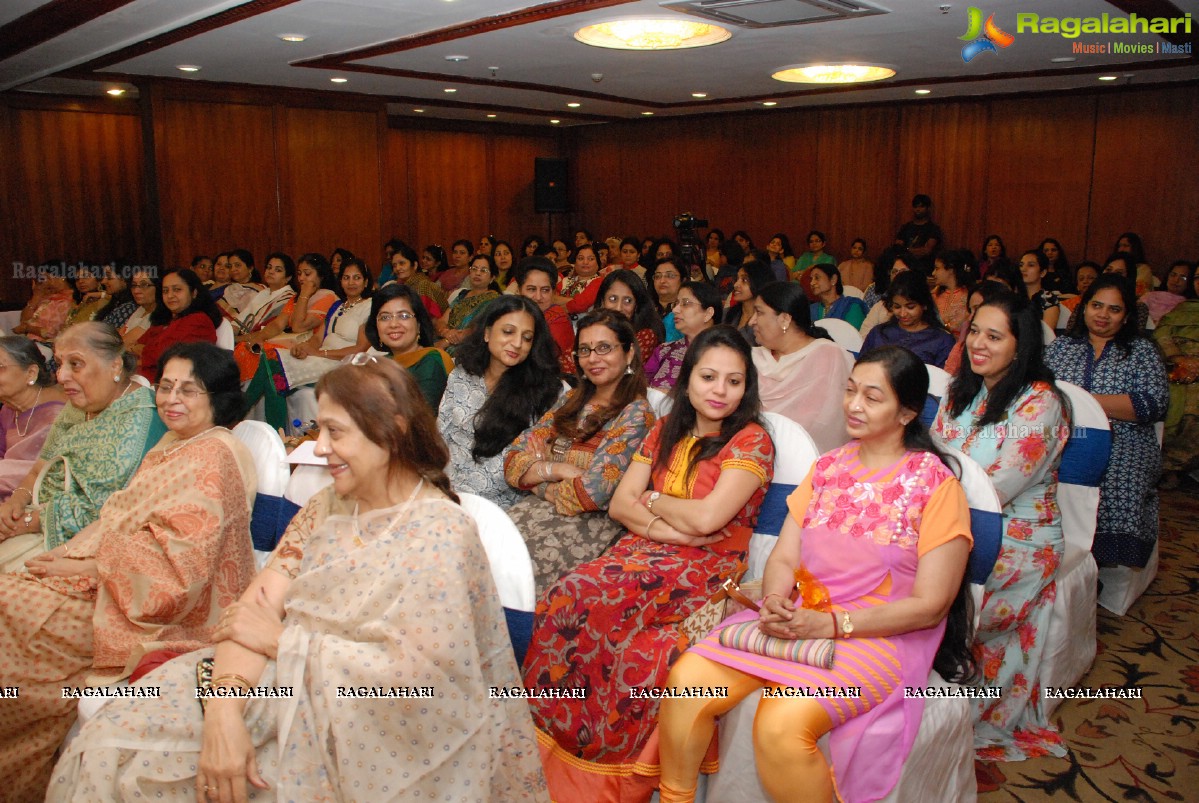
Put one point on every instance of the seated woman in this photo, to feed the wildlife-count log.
(663, 281)
(187, 315)
(894, 599)
(752, 276)
(466, 303)
(1059, 279)
(502, 254)
(220, 276)
(146, 290)
(815, 255)
(801, 373)
(689, 502)
(31, 402)
(1177, 334)
(355, 597)
(831, 301)
(405, 270)
(279, 276)
(506, 379)
(782, 256)
(572, 459)
(46, 313)
(535, 279)
(890, 264)
(623, 291)
(400, 326)
(1034, 267)
(1107, 356)
(120, 304)
(153, 572)
(914, 323)
(89, 296)
(992, 251)
(578, 291)
(454, 276)
(108, 425)
(857, 271)
(1177, 289)
(1003, 410)
(697, 309)
(1084, 275)
(1121, 264)
(951, 272)
(244, 284)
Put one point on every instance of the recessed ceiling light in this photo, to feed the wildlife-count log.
(491, 115)
(833, 74)
(339, 80)
(574, 105)
(651, 34)
(1108, 77)
(115, 92)
(1063, 59)
(450, 90)
(770, 103)
(555, 122)
(923, 91)
(456, 58)
(292, 37)
(419, 111)
(188, 68)
(699, 94)
(648, 114)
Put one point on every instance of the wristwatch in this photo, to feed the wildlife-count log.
(846, 624)
(653, 497)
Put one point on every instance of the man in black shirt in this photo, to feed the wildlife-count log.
(920, 235)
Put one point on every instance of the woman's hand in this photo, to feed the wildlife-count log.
(779, 617)
(301, 350)
(16, 520)
(227, 755)
(254, 626)
(663, 533)
(49, 565)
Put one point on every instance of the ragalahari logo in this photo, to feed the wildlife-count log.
(982, 36)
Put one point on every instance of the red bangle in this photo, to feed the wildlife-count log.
(836, 634)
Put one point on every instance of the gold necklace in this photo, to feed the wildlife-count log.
(16, 418)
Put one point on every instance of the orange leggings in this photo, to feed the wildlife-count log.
(785, 734)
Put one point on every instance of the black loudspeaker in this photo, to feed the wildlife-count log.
(549, 185)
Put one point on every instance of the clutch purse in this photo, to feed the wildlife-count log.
(817, 652)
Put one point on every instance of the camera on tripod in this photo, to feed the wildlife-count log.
(691, 249)
(687, 222)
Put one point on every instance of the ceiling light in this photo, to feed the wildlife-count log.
(490, 116)
(339, 80)
(770, 103)
(450, 90)
(648, 114)
(555, 122)
(651, 34)
(188, 68)
(456, 58)
(292, 37)
(923, 91)
(1063, 59)
(699, 94)
(116, 93)
(419, 111)
(833, 74)
(574, 105)
(1108, 77)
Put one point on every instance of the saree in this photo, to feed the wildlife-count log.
(613, 625)
(1178, 335)
(807, 386)
(466, 307)
(264, 306)
(172, 550)
(431, 368)
(396, 599)
(248, 357)
(663, 364)
(22, 436)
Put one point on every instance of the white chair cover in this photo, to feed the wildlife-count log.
(843, 333)
(850, 291)
(938, 380)
(1048, 333)
(794, 454)
(659, 401)
(274, 474)
(224, 336)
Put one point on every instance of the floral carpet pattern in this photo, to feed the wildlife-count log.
(1130, 750)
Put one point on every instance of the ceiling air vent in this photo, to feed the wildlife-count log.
(774, 13)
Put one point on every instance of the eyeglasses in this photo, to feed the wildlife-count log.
(388, 317)
(686, 302)
(666, 276)
(614, 299)
(189, 392)
(602, 349)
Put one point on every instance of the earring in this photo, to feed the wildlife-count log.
(116, 379)
(628, 369)
(784, 328)
(31, 382)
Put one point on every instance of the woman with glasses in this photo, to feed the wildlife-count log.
(146, 291)
(696, 310)
(663, 281)
(571, 460)
(153, 572)
(465, 304)
(31, 402)
(623, 291)
(400, 326)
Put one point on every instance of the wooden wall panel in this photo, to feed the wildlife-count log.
(400, 218)
(447, 180)
(1039, 172)
(217, 179)
(510, 214)
(331, 183)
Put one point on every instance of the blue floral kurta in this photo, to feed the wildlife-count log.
(1128, 502)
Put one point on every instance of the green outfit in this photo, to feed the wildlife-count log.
(430, 368)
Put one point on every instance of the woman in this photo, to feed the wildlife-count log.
(504, 260)
(782, 256)
(486, 244)
(201, 265)
(815, 255)
(951, 272)
(455, 275)
(993, 250)
(165, 556)
(535, 279)
(120, 300)
(1178, 336)
(712, 245)
(146, 292)
(622, 291)
(1059, 278)
(1106, 355)
(187, 315)
(404, 270)
(801, 373)
(533, 244)
(355, 597)
(220, 274)
(284, 370)
(1003, 410)
(89, 296)
(1034, 266)
(663, 281)
(741, 238)
(891, 263)
(1121, 264)
(752, 276)
(980, 293)
(279, 277)
(244, 284)
(1130, 243)
(31, 402)
(480, 290)
(914, 322)
(697, 310)
(895, 600)
(578, 291)
(506, 379)
(103, 433)
(46, 313)
(857, 271)
(400, 326)
(689, 502)
(337, 259)
(1177, 290)
(630, 256)
(572, 459)
(831, 301)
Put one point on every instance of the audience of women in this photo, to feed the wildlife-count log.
(879, 532)
(93, 447)
(572, 459)
(506, 378)
(1178, 336)
(914, 323)
(578, 291)
(752, 276)
(187, 315)
(801, 373)
(480, 289)
(1034, 266)
(268, 302)
(857, 271)
(244, 284)
(688, 503)
(623, 291)
(951, 272)
(400, 326)
(1003, 410)
(165, 556)
(1106, 355)
(380, 582)
(663, 281)
(697, 309)
(31, 401)
(831, 301)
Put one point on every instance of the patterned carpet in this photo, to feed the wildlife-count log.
(1138, 750)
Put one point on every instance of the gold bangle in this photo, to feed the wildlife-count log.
(651, 524)
(26, 490)
(236, 680)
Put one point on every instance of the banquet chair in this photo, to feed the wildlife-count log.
(272, 511)
(843, 334)
(938, 384)
(511, 567)
(224, 336)
(794, 454)
(1070, 642)
(1124, 585)
(1047, 333)
(941, 763)
(659, 401)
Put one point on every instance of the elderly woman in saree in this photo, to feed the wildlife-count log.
(153, 572)
(92, 449)
(380, 583)
(31, 402)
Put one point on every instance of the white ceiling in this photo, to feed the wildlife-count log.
(914, 37)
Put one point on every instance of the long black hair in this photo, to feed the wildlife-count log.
(789, 297)
(914, 287)
(681, 420)
(645, 311)
(525, 391)
(908, 377)
(324, 271)
(886, 261)
(428, 334)
(1027, 367)
(1130, 329)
